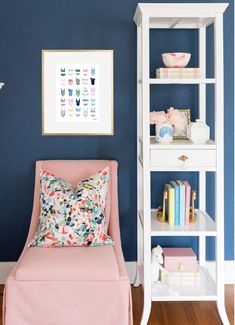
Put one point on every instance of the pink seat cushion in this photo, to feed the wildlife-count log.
(68, 264)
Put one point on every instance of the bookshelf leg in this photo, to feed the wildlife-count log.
(137, 277)
(137, 280)
(146, 311)
(222, 313)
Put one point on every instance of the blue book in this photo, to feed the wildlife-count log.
(177, 202)
(182, 202)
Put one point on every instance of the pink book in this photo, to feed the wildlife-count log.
(187, 201)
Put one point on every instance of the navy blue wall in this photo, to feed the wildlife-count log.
(28, 26)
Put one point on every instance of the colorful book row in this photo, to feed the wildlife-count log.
(178, 203)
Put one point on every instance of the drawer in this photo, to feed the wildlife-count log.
(183, 158)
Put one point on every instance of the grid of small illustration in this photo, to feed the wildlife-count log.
(77, 90)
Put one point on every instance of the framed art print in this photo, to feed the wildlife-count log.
(77, 92)
(183, 134)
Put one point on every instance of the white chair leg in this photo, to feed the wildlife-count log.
(146, 312)
(222, 313)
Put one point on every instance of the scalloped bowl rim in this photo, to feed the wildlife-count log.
(177, 53)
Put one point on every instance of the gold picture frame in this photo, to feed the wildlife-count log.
(183, 134)
(89, 129)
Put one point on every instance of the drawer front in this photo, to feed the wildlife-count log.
(183, 158)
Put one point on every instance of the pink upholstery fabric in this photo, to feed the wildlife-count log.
(72, 286)
(68, 264)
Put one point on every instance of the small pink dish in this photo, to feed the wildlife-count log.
(176, 60)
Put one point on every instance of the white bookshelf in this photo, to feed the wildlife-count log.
(204, 158)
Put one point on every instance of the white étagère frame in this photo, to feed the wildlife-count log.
(77, 92)
(150, 154)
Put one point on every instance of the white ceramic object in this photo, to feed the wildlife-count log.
(176, 60)
(199, 132)
(164, 133)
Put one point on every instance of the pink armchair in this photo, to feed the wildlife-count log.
(71, 285)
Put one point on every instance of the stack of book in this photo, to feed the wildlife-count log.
(178, 73)
(181, 277)
(178, 205)
(181, 266)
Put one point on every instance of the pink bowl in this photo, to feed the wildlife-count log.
(176, 60)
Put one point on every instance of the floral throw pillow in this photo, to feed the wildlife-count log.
(72, 217)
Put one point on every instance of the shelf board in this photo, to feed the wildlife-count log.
(1, 84)
(180, 144)
(155, 81)
(178, 169)
(203, 226)
(182, 169)
(185, 22)
(203, 289)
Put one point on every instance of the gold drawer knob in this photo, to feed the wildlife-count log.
(183, 158)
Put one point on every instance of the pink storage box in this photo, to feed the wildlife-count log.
(180, 260)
